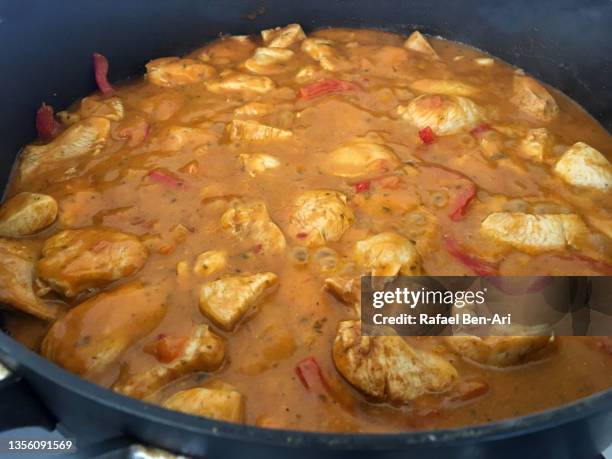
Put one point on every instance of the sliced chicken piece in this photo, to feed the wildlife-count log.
(174, 71)
(210, 262)
(387, 254)
(583, 166)
(326, 54)
(202, 350)
(536, 145)
(269, 61)
(240, 82)
(359, 158)
(227, 50)
(251, 221)
(175, 138)
(534, 233)
(110, 108)
(345, 289)
(223, 403)
(308, 74)
(320, 216)
(283, 37)
(387, 368)
(76, 260)
(253, 110)
(443, 114)
(27, 213)
(533, 99)
(252, 131)
(447, 87)
(497, 351)
(95, 333)
(227, 300)
(417, 42)
(258, 163)
(86, 137)
(17, 272)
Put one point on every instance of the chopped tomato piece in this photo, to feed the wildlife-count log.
(480, 129)
(101, 73)
(46, 124)
(479, 266)
(165, 179)
(311, 376)
(459, 208)
(167, 348)
(362, 186)
(427, 135)
(323, 87)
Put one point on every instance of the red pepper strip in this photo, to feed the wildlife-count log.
(323, 87)
(480, 129)
(427, 135)
(598, 265)
(100, 64)
(463, 200)
(46, 124)
(165, 179)
(311, 376)
(362, 186)
(480, 267)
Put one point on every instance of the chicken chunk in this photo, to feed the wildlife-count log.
(417, 42)
(173, 71)
(95, 333)
(175, 138)
(283, 37)
(253, 110)
(583, 166)
(17, 272)
(227, 50)
(497, 351)
(223, 403)
(258, 163)
(27, 213)
(227, 300)
(534, 233)
(251, 221)
(387, 254)
(86, 137)
(320, 216)
(447, 87)
(387, 368)
(240, 82)
(268, 61)
(210, 262)
(533, 99)
(345, 289)
(443, 114)
(252, 131)
(202, 350)
(110, 108)
(76, 260)
(359, 158)
(324, 52)
(536, 145)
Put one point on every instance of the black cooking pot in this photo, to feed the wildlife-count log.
(46, 56)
